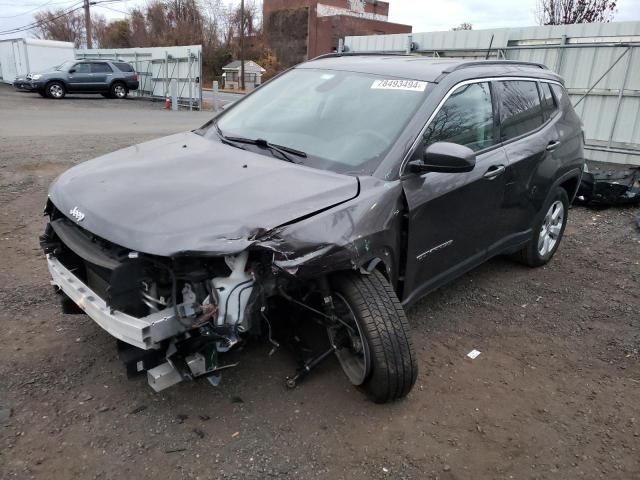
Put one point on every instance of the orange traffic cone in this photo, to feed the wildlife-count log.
(167, 103)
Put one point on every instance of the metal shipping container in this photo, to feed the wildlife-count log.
(20, 56)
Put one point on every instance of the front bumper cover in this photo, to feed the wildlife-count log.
(26, 85)
(145, 333)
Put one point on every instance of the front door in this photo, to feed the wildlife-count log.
(81, 78)
(455, 218)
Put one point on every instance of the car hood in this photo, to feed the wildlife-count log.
(185, 193)
(48, 71)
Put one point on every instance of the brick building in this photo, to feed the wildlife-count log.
(297, 30)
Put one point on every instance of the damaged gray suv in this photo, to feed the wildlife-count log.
(331, 198)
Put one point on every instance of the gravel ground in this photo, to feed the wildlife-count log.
(554, 394)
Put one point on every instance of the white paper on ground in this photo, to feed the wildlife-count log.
(473, 354)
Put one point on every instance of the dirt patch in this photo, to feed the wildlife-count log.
(555, 392)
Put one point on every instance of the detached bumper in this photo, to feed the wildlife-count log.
(144, 333)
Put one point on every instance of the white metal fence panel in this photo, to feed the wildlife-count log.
(157, 66)
(599, 62)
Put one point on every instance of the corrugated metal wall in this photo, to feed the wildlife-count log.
(157, 66)
(600, 63)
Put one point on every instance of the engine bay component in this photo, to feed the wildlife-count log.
(233, 292)
(163, 376)
(607, 188)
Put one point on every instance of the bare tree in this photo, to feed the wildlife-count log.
(562, 12)
(139, 35)
(463, 26)
(115, 34)
(56, 25)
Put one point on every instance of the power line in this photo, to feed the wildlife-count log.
(39, 23)
(28, 11)
(113, 9)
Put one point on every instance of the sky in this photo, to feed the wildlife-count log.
(423, 15)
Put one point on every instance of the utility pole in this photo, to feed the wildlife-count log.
(242, 44)
(87, 23)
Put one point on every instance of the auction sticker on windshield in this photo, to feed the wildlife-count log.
(411, 85)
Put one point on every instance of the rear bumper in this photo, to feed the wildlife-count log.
(145, 333)
(132, 84)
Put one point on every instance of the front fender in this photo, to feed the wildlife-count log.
(348, 236)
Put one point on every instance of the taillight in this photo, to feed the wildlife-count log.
(135, 76)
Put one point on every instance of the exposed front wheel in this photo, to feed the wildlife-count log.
(547, 231)
(118, 90)
(55, 90)
(372, 339)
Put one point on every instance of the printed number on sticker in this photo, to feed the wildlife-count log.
(411, 85)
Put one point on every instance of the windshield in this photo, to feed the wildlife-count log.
(342, 121)
(65, 66)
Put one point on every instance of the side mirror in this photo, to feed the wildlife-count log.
(73, 70)
(445, 157)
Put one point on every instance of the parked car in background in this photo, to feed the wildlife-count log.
(339, 193)
(112, 79)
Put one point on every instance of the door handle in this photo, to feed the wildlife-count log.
(494, 171)
(552, 146)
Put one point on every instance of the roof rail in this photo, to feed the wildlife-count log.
(480, 63)
(364, 54)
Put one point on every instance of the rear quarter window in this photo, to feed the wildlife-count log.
(520, 108)
(100, 68)
(560, 93)
(123, 66)
(549, 106)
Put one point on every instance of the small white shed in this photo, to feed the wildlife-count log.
(252, 75)
(19, 56)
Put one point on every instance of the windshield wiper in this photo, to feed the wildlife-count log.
(224, 139)
(262, 143)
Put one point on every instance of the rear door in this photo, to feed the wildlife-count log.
(81, 79)
(455, 218)
(102, 75)
(530, 138)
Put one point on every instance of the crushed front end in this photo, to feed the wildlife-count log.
(173, 316)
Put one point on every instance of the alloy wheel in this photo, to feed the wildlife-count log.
(56, 91)
(551, 228)
(119, 91)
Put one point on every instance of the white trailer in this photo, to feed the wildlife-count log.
(20, 56)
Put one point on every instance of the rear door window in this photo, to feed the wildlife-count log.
(100, 68)
(520, 108)
(549, 107)
(466, 118)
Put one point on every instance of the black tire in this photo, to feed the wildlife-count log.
(55, 90)
(381, 319)
(530, 254)
(118, 90)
